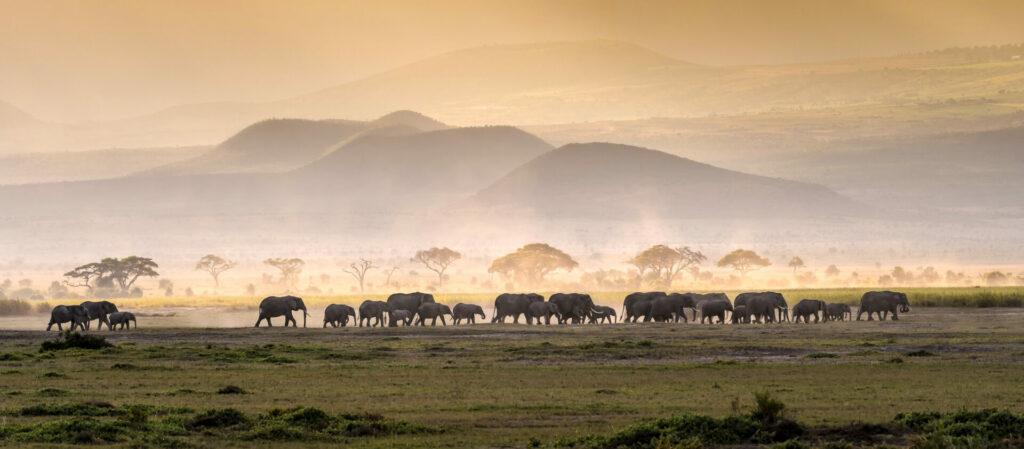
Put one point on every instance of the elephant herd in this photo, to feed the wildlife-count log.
(407, 309)
(81, 316)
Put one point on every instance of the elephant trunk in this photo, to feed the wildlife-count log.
(304, 315)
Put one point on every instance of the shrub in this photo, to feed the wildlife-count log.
(68, 339)
(767, 410)
(920, 353)
(217, 418)
(822, 355)
(232, 389)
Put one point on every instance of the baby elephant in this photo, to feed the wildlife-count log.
(402, 316)
(122, 318)
(808, 307)
(839, 312)
(467, 312)
(542, 309)
(740, 315)
(602, 314)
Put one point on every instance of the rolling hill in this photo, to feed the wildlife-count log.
(621, 182)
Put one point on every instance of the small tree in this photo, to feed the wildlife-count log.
(215, 265)
(290, 269)
(796, 263)
(358, 270)
(437, 260)
(743, 261)
(531, 263)
(832, 271)
(388, 273)
(666, 263)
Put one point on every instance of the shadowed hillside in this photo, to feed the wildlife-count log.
(610, 181)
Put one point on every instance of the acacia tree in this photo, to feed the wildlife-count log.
(666, 263)
(743, 261)
(437, 260)
(832, 271)
(795, 263)
(215, 265)
(390, 272)
(531, 263)
(290, 269)
(358, 270)
(112, 272)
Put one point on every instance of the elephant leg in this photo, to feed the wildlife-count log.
(895, 316)
(442, 321)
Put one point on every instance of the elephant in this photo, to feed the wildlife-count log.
(409, 301)
(124, 319)
(372, 310)
(467, 312)
(543, 309)
(98, 310)
(602, 314)
(712, 307)
(839, 312)
(882, 303)
(740, 314)
(633, 298)
(433, 311)
(513, 305)
(763, 306)
(78, 316)
(274, 306)
(337, 314)
(400, 316)
(672, 307)
(639, 309)
(808, 307)
(574, 306)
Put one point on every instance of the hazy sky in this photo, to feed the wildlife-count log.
(99, 59)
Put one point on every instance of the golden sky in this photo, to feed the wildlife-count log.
(99, 59)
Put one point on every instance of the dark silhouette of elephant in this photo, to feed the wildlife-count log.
(839, 312)
(513, 305)
(672, 307)
(602, 314)
(409, 301)
(883, 303)
(572, 306)
(78, 316)
(765, 306)
(639, 309)
(124, 319)
(467, 312)
(432, 311)
(399, 316)
(337, 315)
(275, 306)
(713, 306)
(740, 314)
(373, 313)
(632, 298)
(806, 308)
(98, 310)
(542, 309)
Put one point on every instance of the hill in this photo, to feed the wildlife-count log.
(621, 182)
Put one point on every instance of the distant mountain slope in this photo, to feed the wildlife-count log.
(449, 161)
(279, 145)
(85, 165)
(621, 182)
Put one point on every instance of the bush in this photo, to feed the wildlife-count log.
(68, 339)
(232, 389)
(217, 418)
(767, 410)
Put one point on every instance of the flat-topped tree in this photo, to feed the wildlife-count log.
(744, 261)
(437, 260)
(290, 268)
(112, 273)
(531, 263)
(666, 263)
(215, 265)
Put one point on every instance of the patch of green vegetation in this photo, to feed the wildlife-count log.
(232, 389)
(52, 392)
(822, 355)
(920, 353)
(53, 374)
(987, 428)
(68, 340)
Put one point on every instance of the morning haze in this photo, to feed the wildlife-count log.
(789, 224)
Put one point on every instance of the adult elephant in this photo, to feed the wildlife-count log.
(98, 310)
(432, 311)
(713, 308)
(808, 307)
(701, 298)
(513, 305)
(337, 315)
(632, 299)
(672, 307)
(275, 306)
(124, 319)
(409, 301)
(764, 306)
(467, 312)
(574, 306)
(372, 310)
(542, 309)
(78, 316)
(639, 309)
(883, 303)
(839, 312)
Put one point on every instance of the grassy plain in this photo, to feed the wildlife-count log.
(505, 386)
